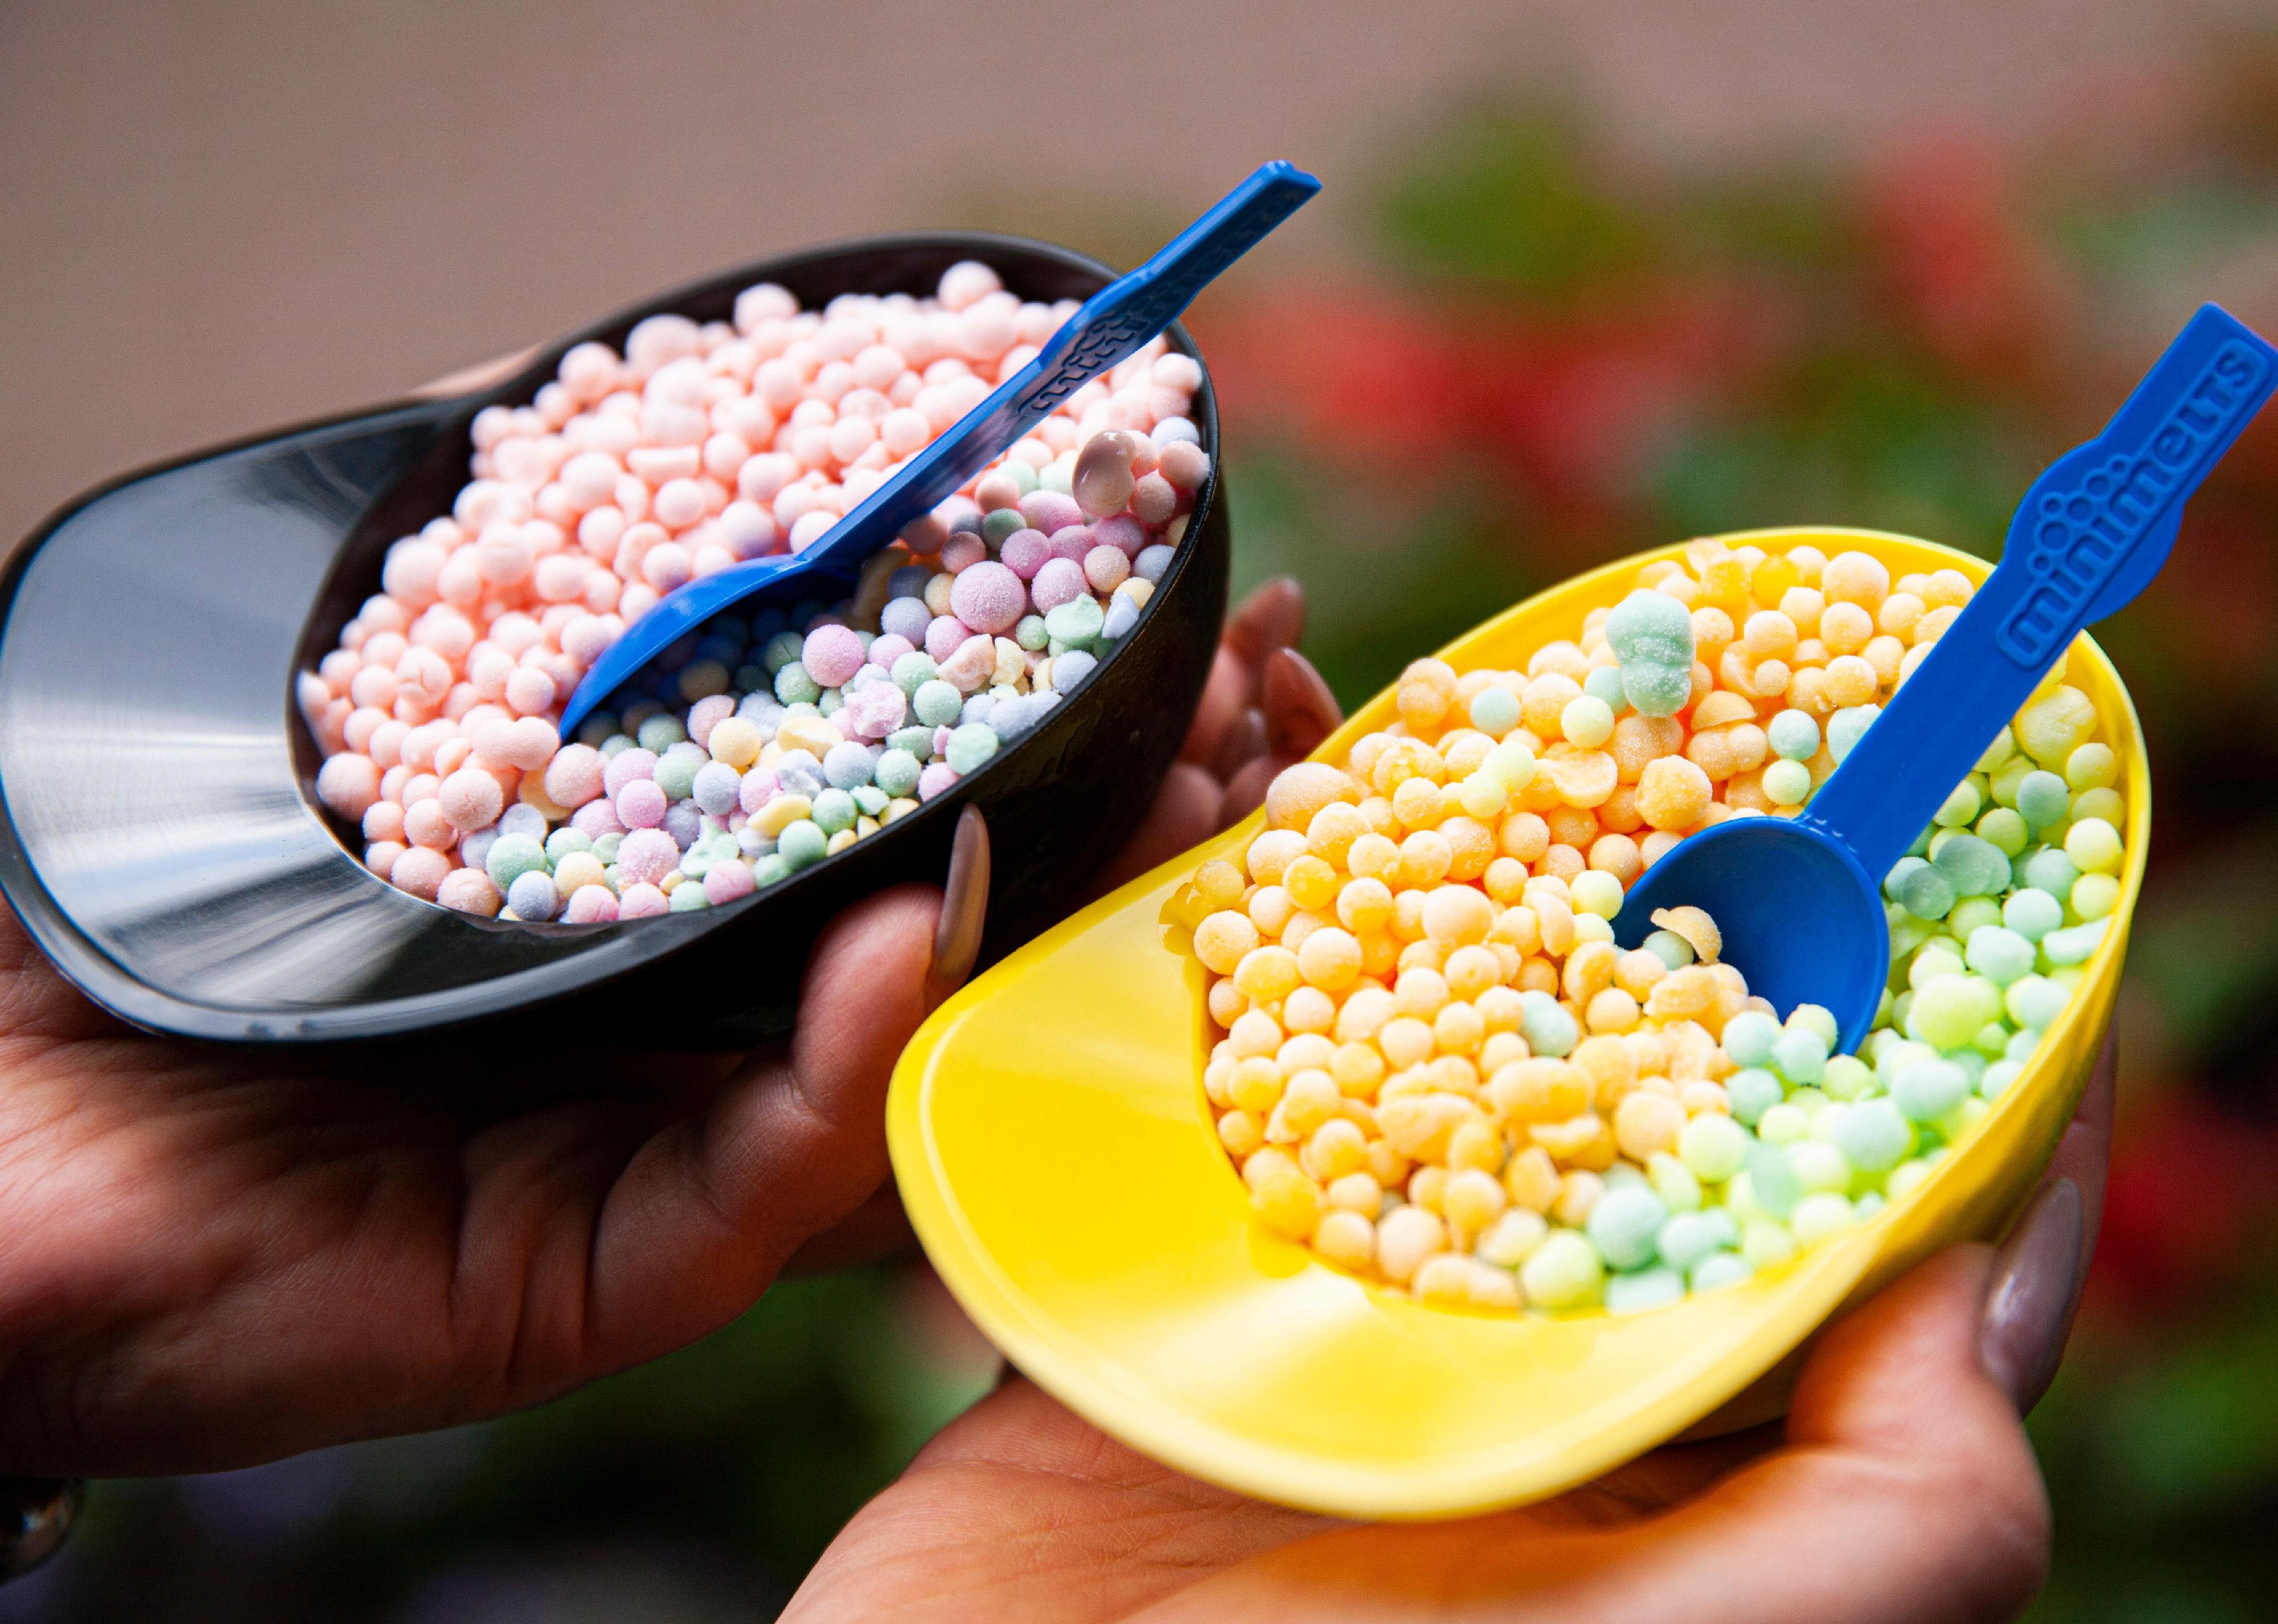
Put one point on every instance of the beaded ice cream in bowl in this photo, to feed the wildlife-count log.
(1347, 1162)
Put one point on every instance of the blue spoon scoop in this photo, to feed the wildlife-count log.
(1799, 900)
(1114, 324)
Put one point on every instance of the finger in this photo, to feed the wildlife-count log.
(38, 1005)
(1907, 1491)
(876, 1229)
(1272, 618)
(707, 1211)
(1019, 1512)
(964, 909)
(2084, 1153)
(1245, 791)
(1184, 813)
(1300, 710)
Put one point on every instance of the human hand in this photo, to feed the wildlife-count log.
(1901, 1488)
(212, 1257)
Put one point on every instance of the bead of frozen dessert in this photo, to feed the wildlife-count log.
(2042, 798)
(533, 896)
(970, 746)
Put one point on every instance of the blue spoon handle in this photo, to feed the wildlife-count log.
(1114, 325)
(2090, 534)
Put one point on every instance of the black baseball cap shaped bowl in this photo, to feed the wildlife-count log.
(163, 841)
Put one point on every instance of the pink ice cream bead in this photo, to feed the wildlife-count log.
(988, 597)
(1074, 542)
(831, 655)
(645, 857)
(1026, 552)
(758, 785)
(707, 714)
(624, 767)
(727, 880)
(420, 872)
(887, 649)
(1123, 532)
(877, 710)
(348, 784)
(642, 902)
(641, 804)
(596, 818)
(945, 634)
(575, 776)
(968, 669)
(936, 778)
(469, 891)
(1107, 568)
(591, 905)
(962, 551)
(470, 799)
(1050, 511)
(1060, 582)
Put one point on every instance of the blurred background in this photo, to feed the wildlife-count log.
(1586, 277)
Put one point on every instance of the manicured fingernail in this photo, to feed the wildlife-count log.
(1272, 618)
(963, 907)
(1300, 710)
(2035, 1287)
(1244, 743)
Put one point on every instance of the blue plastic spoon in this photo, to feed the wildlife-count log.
(1113, 326)
(1799, 900)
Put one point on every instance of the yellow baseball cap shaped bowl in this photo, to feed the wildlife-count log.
(1056, 1154)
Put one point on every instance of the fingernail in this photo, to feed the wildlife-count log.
(1300, 710)
(2035, 1285)
(1244, 743)
(963, 907)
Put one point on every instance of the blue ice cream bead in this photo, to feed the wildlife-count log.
(1154, 562)
(802, 843)
(1847, 726)
(510, 857)
(675, 775)
(533, 896)
(1624, 1225)
(1800, 1056)
(1928, 1089)
(474, 850)
(978, 707)
(683, 822)
(1645, 1289)
(781, 650)
(937, 703)
(1547, 1026)
(833, 810)
(2043, 799)
(1656, 690)
(1013, 718)
(716, 787)
(1874, 1135)
(1070, 669)
(1999, 953)
(1076, 622)
(798, 772)
(1651, 628)
(1122, 615)
(2049, 870)
(523, 819)
(897, 772)
(561, 843)
(1753, 1090)
(1794, 736)
(1749, 1037)
(1926, 892)
(1976, 868)
(1168, 429)
(794, 686)
(970, 746)
(914, 669)
(846, 765)
(1603, 684)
